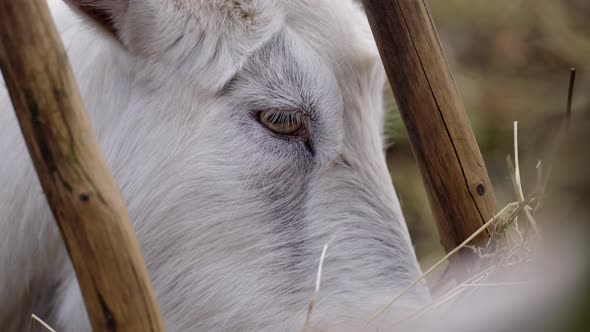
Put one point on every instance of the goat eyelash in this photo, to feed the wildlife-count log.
(285, 123)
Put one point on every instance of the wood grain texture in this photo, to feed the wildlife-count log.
(450, 162)
(83, 196)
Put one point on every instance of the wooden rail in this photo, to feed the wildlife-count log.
(451, 165)
(84, 198)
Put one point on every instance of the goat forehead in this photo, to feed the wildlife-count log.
(285, 73)
(337, 29)
(331, 34)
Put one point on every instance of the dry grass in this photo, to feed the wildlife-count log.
(35, 319)
(314, 297)
(511, 243)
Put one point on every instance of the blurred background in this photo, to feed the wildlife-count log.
(511, 60)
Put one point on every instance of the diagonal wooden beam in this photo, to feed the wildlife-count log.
(84, 198)
(450, 162)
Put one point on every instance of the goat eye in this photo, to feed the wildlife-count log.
(282, 122)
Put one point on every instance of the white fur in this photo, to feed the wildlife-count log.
(231, 219)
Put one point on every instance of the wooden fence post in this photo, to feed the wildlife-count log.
(452, 167)
(83, 196)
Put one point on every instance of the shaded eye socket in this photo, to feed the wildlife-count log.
(283, 122)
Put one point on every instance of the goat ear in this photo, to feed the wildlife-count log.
(106, 14)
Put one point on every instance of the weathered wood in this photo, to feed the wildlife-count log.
(83, 196)
(452, 167)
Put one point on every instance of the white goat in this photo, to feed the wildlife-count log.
(244, 134)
